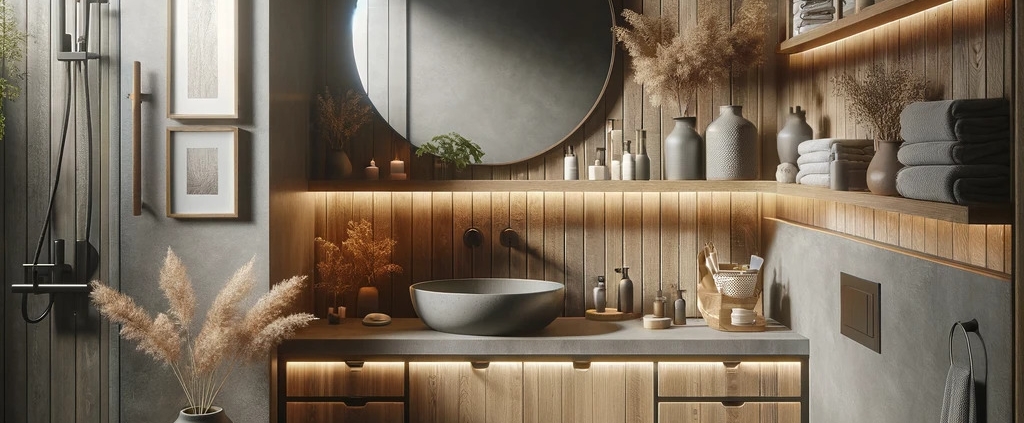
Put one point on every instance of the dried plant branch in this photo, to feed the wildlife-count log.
(339, 120)
(370, 258)
(177, 288)
(880, 97)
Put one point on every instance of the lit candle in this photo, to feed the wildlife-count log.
(397, 166)
(372, 171)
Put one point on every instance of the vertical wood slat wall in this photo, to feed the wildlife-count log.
(569, 237)
(963, 48)
(623, 99)
(55, 370)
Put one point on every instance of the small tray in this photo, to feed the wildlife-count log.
(610, 315)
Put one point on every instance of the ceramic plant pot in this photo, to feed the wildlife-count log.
(881, 173)
(684, 151)
(337, 164)
(795, 131)
(731, 147)
(216, 415)
(367, 301)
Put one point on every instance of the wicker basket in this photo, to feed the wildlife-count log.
(737, 285)
(716, 307)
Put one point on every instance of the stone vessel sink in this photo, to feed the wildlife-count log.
(488, 306)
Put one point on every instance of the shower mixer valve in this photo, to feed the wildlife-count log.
(59, 276)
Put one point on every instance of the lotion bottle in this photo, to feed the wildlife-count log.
(571, 171)
(659, 305)
(625, 291)
(628, 165)
(600, 296)
(679, 318)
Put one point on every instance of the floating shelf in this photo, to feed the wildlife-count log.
(546, 185)
(985, 214)
(878, 14)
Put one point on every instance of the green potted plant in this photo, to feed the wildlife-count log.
(11, 52)
(338, 121)
(452, 149)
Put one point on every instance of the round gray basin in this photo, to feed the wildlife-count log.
(487, 306)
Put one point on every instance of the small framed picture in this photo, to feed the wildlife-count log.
(202, 59)
(202, 172)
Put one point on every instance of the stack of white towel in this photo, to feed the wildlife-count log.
(816, 157)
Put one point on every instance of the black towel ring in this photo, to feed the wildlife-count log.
(969, 326)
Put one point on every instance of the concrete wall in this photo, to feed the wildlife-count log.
(920, 300)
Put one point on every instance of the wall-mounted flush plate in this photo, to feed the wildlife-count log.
(860, 311)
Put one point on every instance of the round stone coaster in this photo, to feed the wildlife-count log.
(651, 322)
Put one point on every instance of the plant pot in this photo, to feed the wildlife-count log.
(881, 173)
(217, 415)
(337, 164)
(367, 301)
(792, 134)
(684, 151)
(731, 146)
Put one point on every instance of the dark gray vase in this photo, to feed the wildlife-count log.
(337, 164)
(732, 146)
(684, 151)
(216, 415)
(792, 134)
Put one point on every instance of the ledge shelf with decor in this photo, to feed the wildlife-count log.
(993, 214)
(876, 15)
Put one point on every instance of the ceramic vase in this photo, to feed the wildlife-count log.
(216, 415)
(731, 147)
(367, 301)
(795, 131)
(337, 164)
(684, 151)
(881, 173)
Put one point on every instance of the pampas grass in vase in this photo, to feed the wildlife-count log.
(203, 362)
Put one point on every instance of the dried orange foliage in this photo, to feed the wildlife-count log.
(360, 260)
(228, 337)
(339, 120)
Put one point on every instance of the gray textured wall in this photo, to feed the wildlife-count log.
(920, 300)
(212, 249)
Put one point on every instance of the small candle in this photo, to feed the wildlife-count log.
(372, 171)
(397, 166)
(399, 176)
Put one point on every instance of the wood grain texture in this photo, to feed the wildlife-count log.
(337, 379)
(713, 412)
(715, 379)
(335, 412)
(450, 392)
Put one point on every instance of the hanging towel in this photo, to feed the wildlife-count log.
(926, 121)
(951, 153)
(958, 403)
(958, 184)
(825, 144)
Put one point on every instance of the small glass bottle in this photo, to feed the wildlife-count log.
(659, 305)
(642, 169)
(600, 295)
(625, 291)
(679, 318)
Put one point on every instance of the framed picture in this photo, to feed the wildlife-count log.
(202, 172)
(202, 59)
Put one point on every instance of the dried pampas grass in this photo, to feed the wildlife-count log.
(202, 364)
(880, 97)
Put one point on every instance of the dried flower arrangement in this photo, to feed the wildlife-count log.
(11, 52)
(363, 259)
(340, 119)
(452, 148)
(226, 339)
(672, 66)
(879, 99)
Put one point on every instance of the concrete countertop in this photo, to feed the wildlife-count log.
(567, 338)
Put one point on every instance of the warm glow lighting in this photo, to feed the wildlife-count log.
(895, 22)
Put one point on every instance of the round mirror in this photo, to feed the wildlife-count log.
(515, 77)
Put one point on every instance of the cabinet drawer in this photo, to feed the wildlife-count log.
(715, 379)
(716, 412)
(337, 412)
(337, 379)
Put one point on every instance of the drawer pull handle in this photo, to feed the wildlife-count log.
(732, 404)
(480, 365)
(355, 365)
(581, 365)
(731, 364)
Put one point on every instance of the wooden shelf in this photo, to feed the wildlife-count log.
(986, 214)
(546, 185)
(881, 13)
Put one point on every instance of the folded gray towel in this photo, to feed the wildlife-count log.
(958, 402)
(827, 156)
(926, 121)
(825, 144)
(951, 153)
(958, 184)
(824, 168)
(816, 180)
(983, 129)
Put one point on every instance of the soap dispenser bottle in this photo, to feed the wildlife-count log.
(600, 295)
(625, 291)
(628, 165)
(679, 318)
(659, 305)
(571, 169)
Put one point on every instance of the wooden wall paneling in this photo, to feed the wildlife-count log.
(535, 235)
(906, 231)
(482, 172)
(892, 226)
(578, 399)
(994, 249)
(944, 239)
(462, 220)
(362, 206)
(1008, 249)
(443, 243)
(339, 213)
(961, 246)
(977, 239)
(639, 393)
(961, 49)
(816, 106)
(659, 271)
(744, 227)
(542, 392)
(402, 233)
(702, 108)
(319, 300)
(688, 244)
(578, 283)
(647, 117)
(721, 218)
(841, 218)
(431, 388)
(705, 226)
(504, 397)
(500, 255)
(422, 262)
(594, 244)
(517, 221)
(769, 95)
(995, 19)
(471, 397)
(482, 221)
(975, 48)
(613, 238)
(382, 227)
(632, 248)
(554, 237)
(501, 172)
(918, 229)
(931, 233)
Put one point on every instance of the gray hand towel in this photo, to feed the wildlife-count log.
(951, 153)
(958, 184)
(827, 156)
(979, 107)
(825, 144)
(958, 403)
(823, 168)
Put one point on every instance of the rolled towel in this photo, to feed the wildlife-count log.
(952, 153)
(816, 180)
(823, 168)
(827, 156)
(958, 184)
(983, 129)
(926, 121)
(825, 144)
